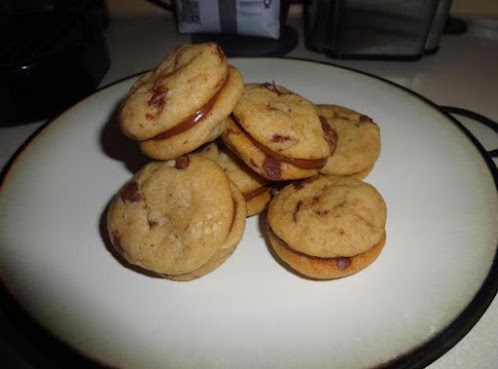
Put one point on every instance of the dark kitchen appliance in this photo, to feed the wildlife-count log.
(376, 29)
(52, 54)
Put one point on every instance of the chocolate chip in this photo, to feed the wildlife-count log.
(272, 87)
(343, 262)
(182, 162)
(364, 118)
(158, 96)
(279, 138)
(272, 168)
(296, 210)
(130, 192)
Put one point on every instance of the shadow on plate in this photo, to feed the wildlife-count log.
(31, 346)
(117, 146)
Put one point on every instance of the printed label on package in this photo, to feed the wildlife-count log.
(244, 17)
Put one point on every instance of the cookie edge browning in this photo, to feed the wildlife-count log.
(312, 267)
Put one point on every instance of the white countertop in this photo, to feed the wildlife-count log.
(463, 73)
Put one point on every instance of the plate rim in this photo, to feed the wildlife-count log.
(419, 357)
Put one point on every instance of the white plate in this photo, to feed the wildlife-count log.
(251, 312)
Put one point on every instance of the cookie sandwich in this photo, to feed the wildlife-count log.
(278, 133)
(182, 103)
(178, 219)
(327, 227)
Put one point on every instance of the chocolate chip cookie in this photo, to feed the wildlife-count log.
(178, 219)
(277, 133)
(181, 104)
(332, 223)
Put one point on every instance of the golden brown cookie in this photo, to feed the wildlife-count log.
(277, 133)
(173, 217)
(358, 141)
(255, 189)
(315, 222)
(181, 104)
(204, 126)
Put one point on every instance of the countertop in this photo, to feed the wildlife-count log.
(462, 73)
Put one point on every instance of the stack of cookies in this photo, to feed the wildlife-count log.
(223, 150)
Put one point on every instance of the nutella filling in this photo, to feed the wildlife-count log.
(193, 119)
